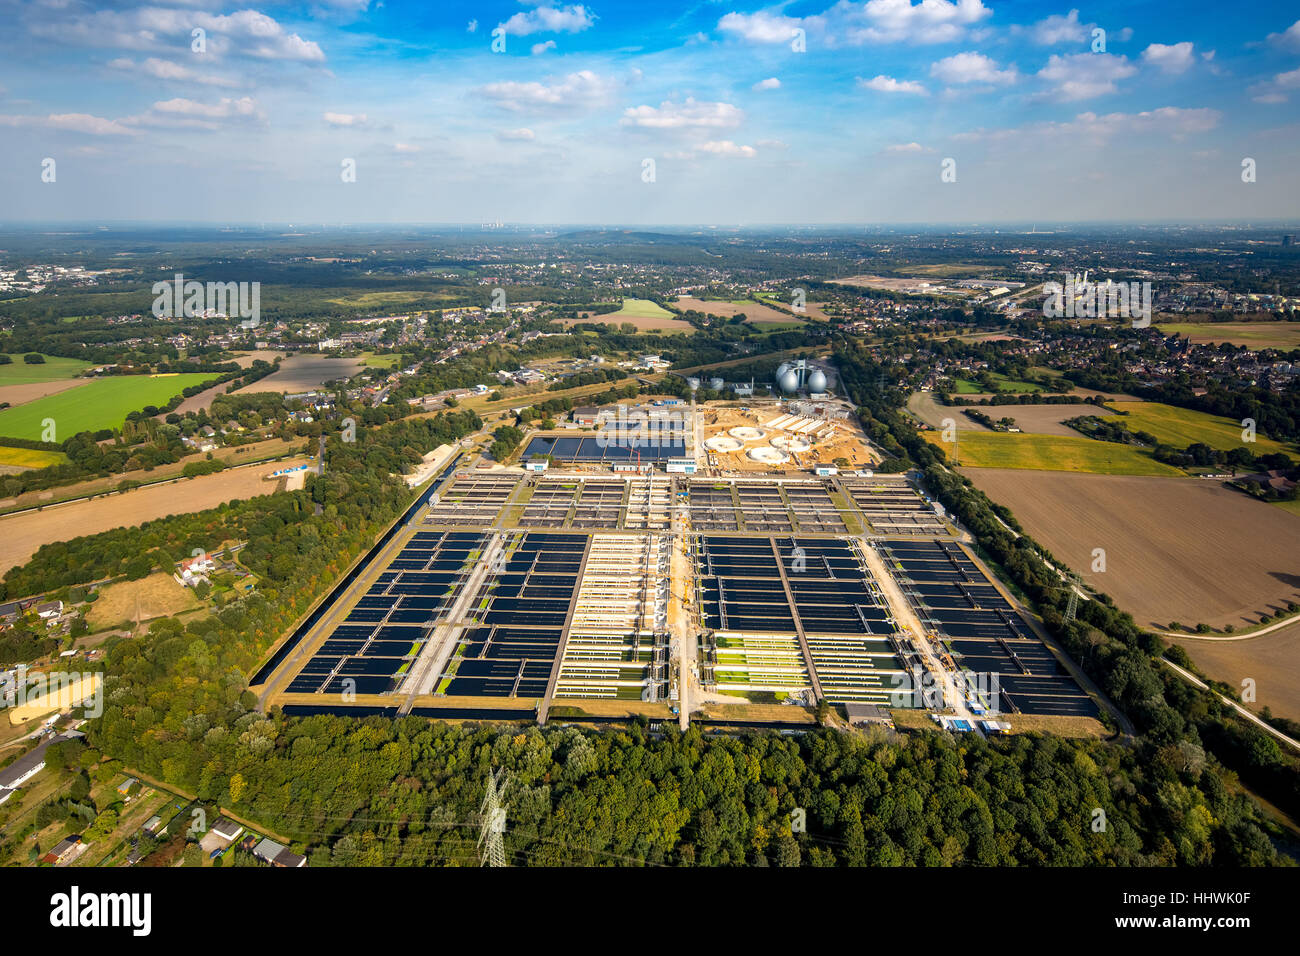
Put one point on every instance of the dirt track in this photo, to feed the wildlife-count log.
(1177, 549)
(21, 535)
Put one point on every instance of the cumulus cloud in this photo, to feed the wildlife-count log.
(186, 113)
(721, 147)
(167, 70)
(761, 27)
(346, 119)
(725, 147)
(1288, 39)
(887, 84)
(1172, 58)
(965, 68)
(549, 19)
(687, 115)
(1276, 90)
(539, 48)
(771, 83)
(876, 21)
(929, 21)
(243, 33)
(577, 90)
(71, 122)
(1057, 29)
(1082, 76)
(1168, 121)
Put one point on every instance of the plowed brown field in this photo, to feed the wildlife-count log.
(1177, 549)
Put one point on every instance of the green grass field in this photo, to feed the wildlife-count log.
(1050, 453)
(52, 369)
(642, 309)
(371, 360)
(29, 457)
(103, 403)
(967, 387)
(769, 327)
(1183, 426)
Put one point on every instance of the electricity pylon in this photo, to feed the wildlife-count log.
(491, 838)
(1073, 582)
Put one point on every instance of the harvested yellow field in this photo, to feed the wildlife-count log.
(130, 602)
(22, 534)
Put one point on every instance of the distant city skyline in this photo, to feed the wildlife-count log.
(714, 114)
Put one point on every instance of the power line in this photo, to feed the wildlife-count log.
(491, 839)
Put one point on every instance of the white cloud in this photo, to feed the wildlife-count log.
(771, 83)
(1082, 76)
(876, 21)
(1172, 58)
(964, 68)
(86, 123)
(726, 147)
(908, 148)
(405, 148)
(887, 84)
(722, 147)
(71, 122)
(346, 119)
(243, 33)
(539, 48)
(1288, 39)
(1057, 29)
(167, 70)
(1167, 121)
(186, 113)
(688, 115)
(929, 21)
(761, 27)
(521, 135)
(549, 19)
(581, 89)
(1278, 89)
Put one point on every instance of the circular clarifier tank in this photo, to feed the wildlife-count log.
(747, 433)
(723, 443)
(791, 444)
(767, 455)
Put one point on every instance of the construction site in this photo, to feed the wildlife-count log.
(781, 437)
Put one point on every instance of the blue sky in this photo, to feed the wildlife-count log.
(805, 112)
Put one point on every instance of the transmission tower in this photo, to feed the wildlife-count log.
(491, 838)
(1072, 581)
